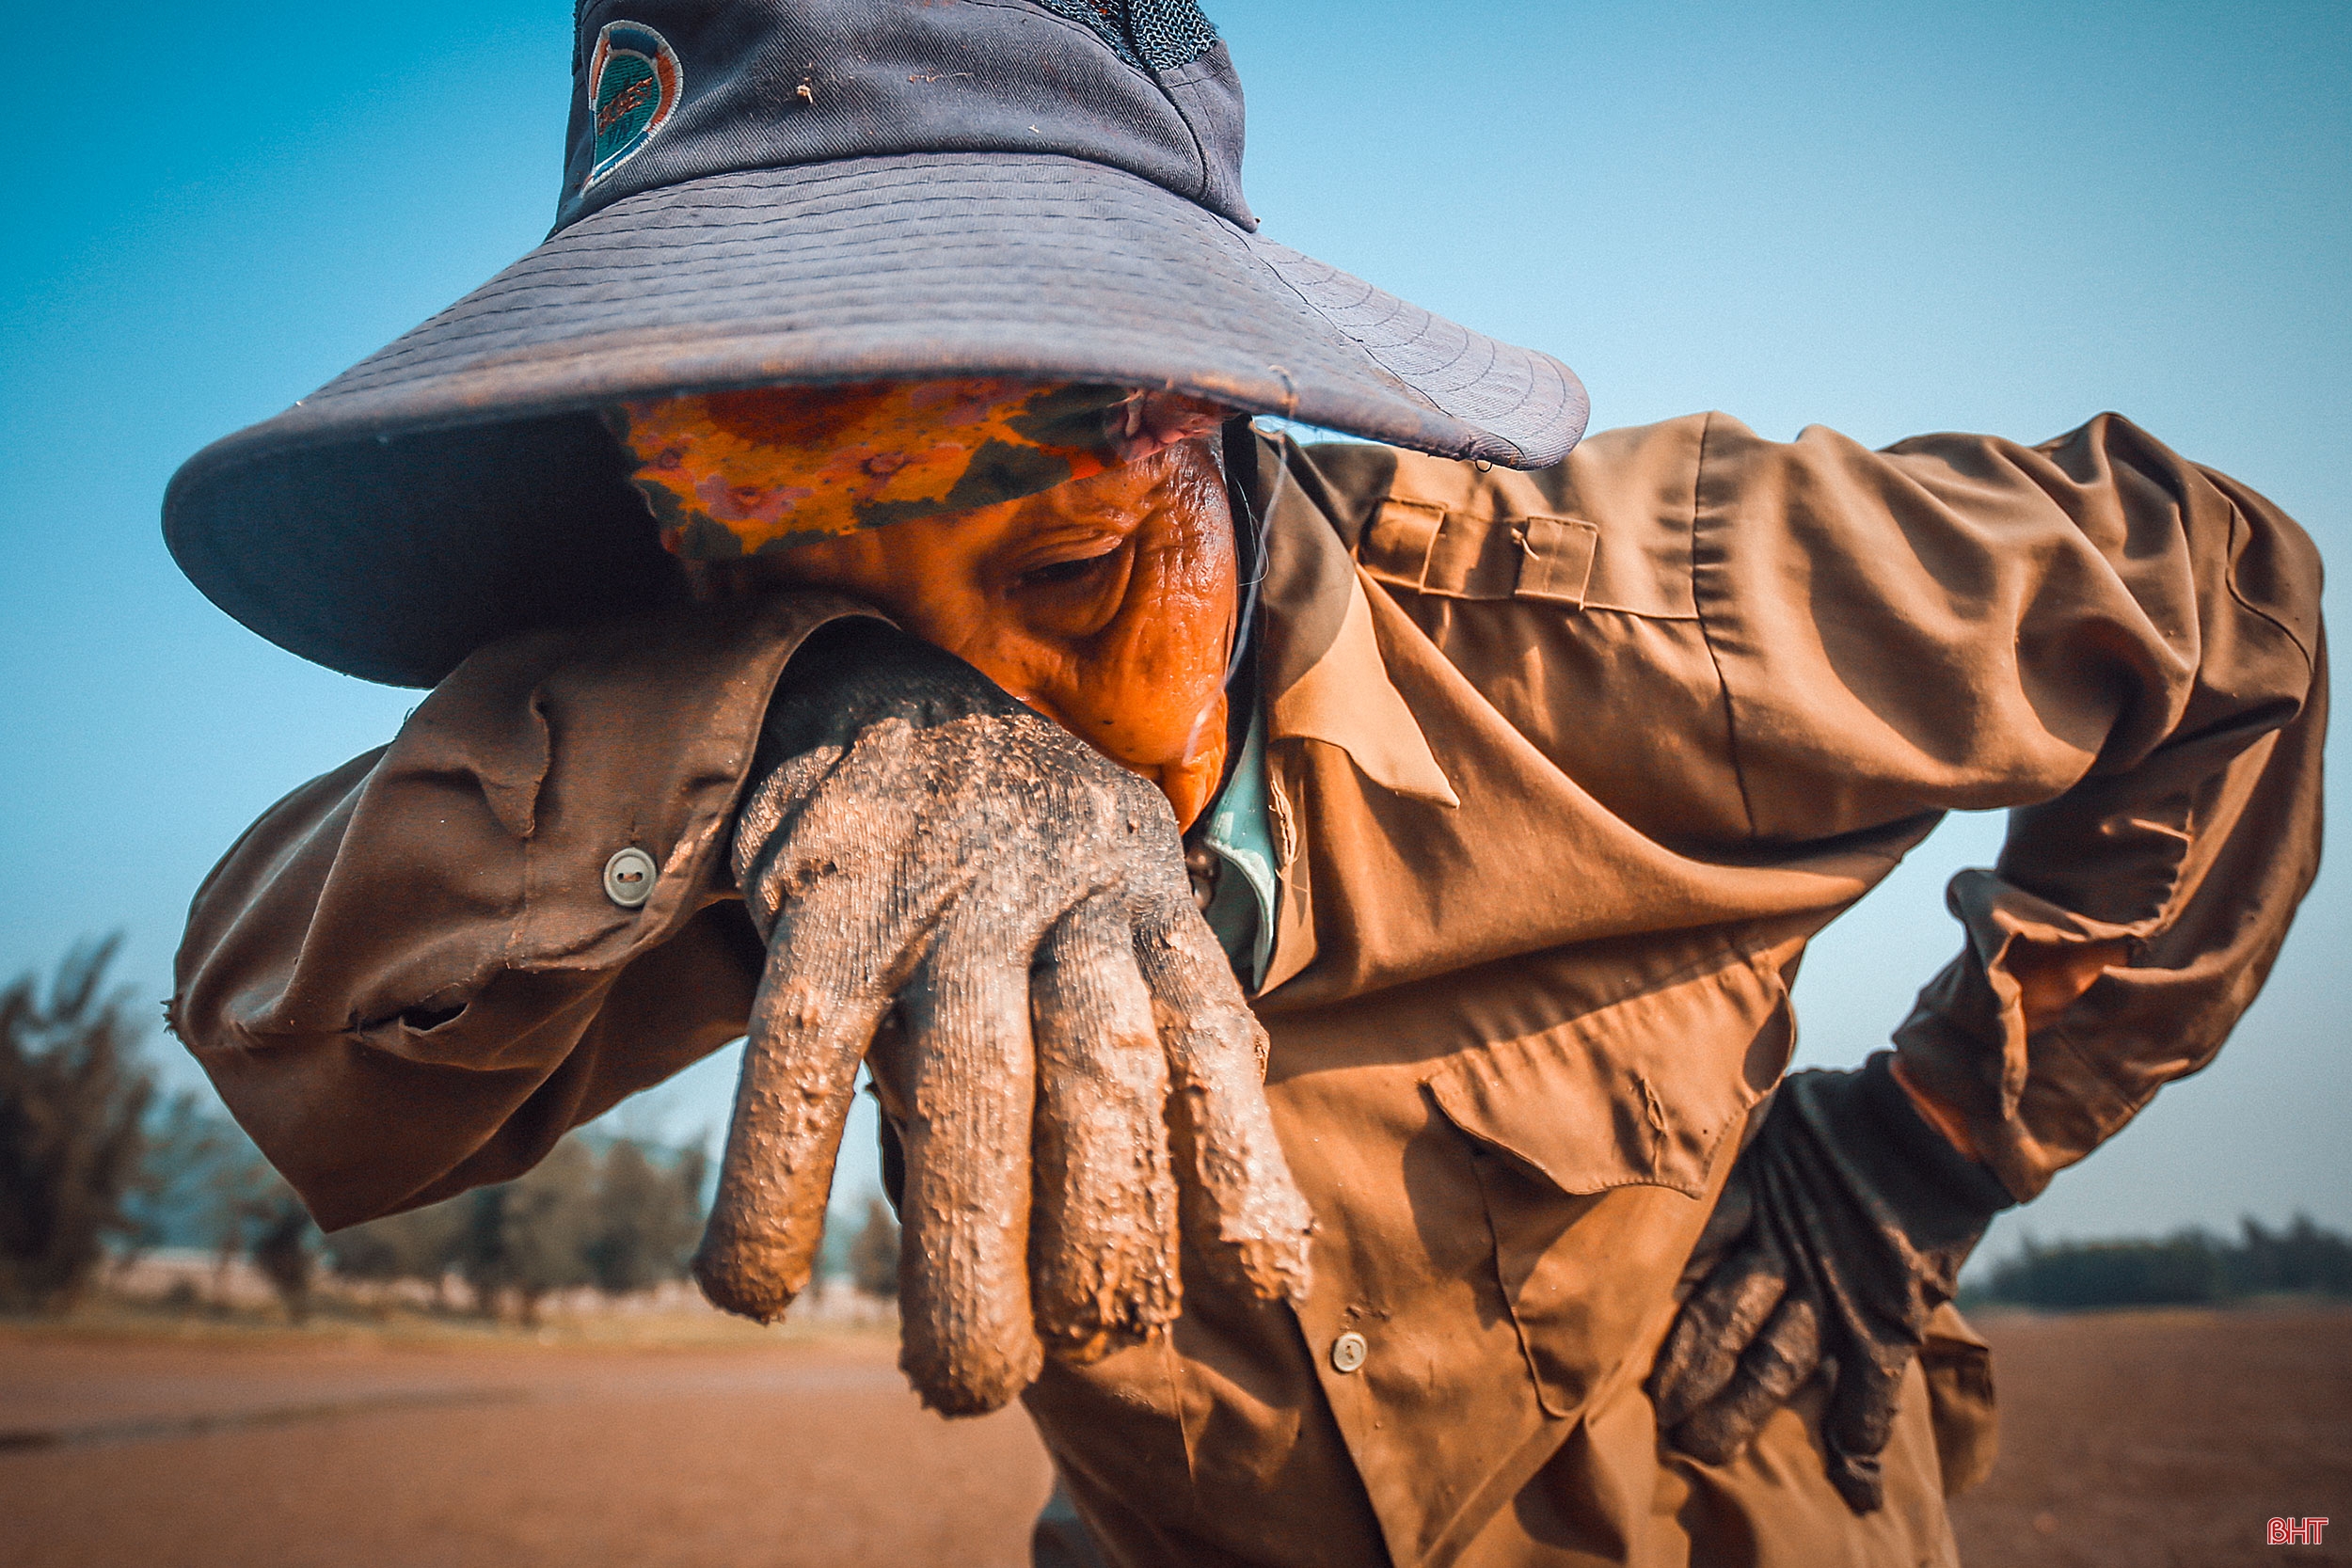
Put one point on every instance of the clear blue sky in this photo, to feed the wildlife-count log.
(1886, 220)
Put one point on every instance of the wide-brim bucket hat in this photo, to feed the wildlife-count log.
(811, 192)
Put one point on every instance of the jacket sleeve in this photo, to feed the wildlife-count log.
(408, 978)
(2121, 646)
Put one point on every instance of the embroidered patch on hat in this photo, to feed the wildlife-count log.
(634, 85)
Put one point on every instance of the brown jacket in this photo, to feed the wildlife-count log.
(1566, 768)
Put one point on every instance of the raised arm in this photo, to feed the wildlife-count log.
(2120, 645)
(2124, 648)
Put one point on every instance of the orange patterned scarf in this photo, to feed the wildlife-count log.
(731, 474)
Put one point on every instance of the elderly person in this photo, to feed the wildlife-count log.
(1319, 921)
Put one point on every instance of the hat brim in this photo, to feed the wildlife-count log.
(456, 487)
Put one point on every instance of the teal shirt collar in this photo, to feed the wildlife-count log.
(1239, 832)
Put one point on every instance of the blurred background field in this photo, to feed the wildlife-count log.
(327, 1448)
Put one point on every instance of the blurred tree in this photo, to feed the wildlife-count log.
(874, 1256)
(480, 1251)
(646, 1219)
(2301, 1257)
(187, 1138)
(73, 1097)
(2190, 1268)
(240, 1190)
(282, 1252)
(2181, 1270)
(531, 1235)
(420, 1245)
(693, 1175)
(202, 1182)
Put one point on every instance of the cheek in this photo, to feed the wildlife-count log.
(1151, 677)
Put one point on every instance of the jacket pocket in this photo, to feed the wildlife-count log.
(1599, 1142)
(1640, 1092)
(1429, 547)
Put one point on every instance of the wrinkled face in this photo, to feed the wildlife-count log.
(1108, 604)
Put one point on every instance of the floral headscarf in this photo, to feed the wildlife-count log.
(730, 474)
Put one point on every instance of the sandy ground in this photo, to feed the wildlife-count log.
(809, 1453)
(2144, 1439)
(2165, 1440)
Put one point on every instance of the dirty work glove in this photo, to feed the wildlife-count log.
(1843, 1227)
(1067, 1055)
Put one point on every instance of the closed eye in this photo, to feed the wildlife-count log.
(1056, 573)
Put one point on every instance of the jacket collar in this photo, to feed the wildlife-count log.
(1322, 671)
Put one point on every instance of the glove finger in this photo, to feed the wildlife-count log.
(1729, 1220)
(813, 1014)
(1864, 1399)
(1717, 1324)
(966, 1340)
(1869, 1297)
(1771, 1369)
(1243, 1212)
(1103, 1237)
(816, 842)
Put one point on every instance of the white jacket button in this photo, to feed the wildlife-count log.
(628, 877)
(1348, 1351)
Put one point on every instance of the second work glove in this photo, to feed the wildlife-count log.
(1843, 1227)
(1002, 914)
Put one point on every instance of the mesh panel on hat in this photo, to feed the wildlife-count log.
(1157, 34)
